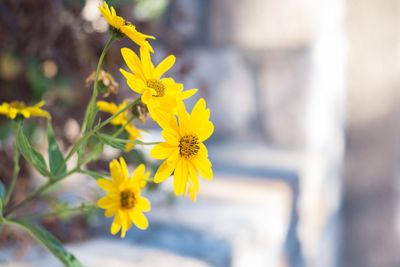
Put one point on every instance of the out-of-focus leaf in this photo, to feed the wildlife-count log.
(147, 10)
(94, 174)
(95, 152)
(56, 158)
(2, 196)
(5, 130)
(111, 141)
(30, 154)
(50, 242)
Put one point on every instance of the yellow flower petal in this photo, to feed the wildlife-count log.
(163, 172)
(124, 168)
(164, 66)
(115, 227)
(162, 151)
(139, 219)
(134, 82)
(137, 37)
(180, 177)
(107, 107)
(147, 96)
(133, 62)
(143, 204)
(147, 65)
(107, 185)
(110, 212)
(116, 172)
(137, 175)
(189, 93)
(203, 165)
(125, 222)
(171, 136)
(105, 202)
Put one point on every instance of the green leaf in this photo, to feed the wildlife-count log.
(56, 158)
(94, 174)
(30, 154)
(2, 196)
(95, 152)
(111, 141)
(2, 190)
(50, 242)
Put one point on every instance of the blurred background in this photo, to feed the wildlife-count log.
(304, 96)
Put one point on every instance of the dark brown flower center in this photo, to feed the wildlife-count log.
(157, 86)
(128, 199)
(189, 146)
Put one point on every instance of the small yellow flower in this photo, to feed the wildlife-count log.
(184, 151)
(121, 119)
(123, 199)
(161, 95)
(11, 110)
(121, 27)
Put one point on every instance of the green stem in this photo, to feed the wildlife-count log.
(14, 176)
(136, 142)
(91, 109)
(81, 141)
(81, 208)
(39, 191)
(122, 128)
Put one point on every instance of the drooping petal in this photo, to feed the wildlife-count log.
(110, 212)
(137, 37)
(203, 165)
(115, 227)
(163, 172)
(125, 222)
(180, 177)
(139, 219)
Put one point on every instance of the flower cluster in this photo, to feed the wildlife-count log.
(156, 95)
(183, 151)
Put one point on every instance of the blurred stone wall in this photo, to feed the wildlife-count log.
(274, 71)
(371, 233)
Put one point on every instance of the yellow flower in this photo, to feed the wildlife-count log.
(121, 120)
(11, 110)
(123, 199)
(161, 95)
(184, 151)
(121, 27)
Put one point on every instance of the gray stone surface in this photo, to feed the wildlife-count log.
(262, 24)
(227, 82)
(252, 215)
(371, 203)
(238, 220)
(284, 85)
(110, 253)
